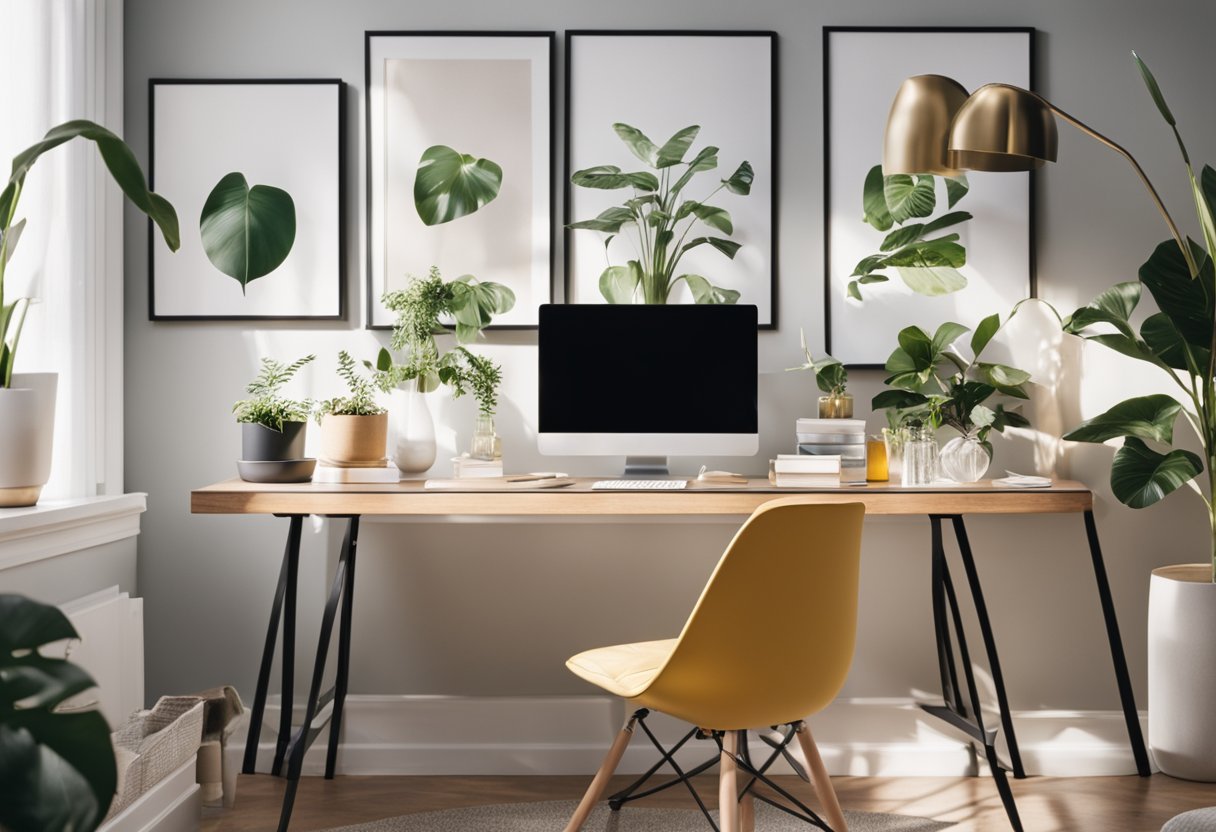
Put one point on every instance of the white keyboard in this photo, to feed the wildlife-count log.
(638, 485)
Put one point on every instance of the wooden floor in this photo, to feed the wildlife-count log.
(1083, 804)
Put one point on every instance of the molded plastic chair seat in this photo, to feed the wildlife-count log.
(625, 670)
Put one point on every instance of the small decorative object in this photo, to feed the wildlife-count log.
(486, 443)
(661, 219)
(863, 69)
(876, 460)
(412, 428)
(832, 379)
(934, 385)
(354, 429)
(448, 103)
(74, 780)
(27, 401)
(894, 438)
(920, 456)
(964, 458)
(603, 89)
(272, 427)
(287, 135)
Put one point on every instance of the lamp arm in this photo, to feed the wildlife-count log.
(1122, 151)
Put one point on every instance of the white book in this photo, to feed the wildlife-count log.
(830, 426)
(806, 464)
(856, 438)
(328, 473)
(782, 480)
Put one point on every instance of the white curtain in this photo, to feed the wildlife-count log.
(63, 60)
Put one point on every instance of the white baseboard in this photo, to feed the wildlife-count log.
(570, 735)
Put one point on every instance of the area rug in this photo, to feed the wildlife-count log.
(553, 816)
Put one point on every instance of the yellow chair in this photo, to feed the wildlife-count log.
(769, 642)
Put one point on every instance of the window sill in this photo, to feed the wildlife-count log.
(57, 527)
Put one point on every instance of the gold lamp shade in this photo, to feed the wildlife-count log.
(918, 127)
(1003, 128)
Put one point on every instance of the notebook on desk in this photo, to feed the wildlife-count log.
(521, 482)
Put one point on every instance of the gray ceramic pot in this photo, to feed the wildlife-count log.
(262, 443)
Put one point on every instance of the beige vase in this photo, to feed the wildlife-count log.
(1182, 671)
(354, 441)
(27, 427)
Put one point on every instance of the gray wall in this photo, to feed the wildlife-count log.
(491, 608)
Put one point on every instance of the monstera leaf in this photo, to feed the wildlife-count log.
(1141, 477)
(57, 770)
(247, 232)
(450, 185)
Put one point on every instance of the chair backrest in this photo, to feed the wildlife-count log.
(771, 639)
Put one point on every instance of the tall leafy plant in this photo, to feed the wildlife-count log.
(927, 264)
(658, 219)
(1179, 339)
(57, 770)
(125, 170)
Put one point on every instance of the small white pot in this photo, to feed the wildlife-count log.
(1182, 671)
(412, 431)
(27, 431)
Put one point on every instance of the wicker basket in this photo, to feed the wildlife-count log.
(153, 744)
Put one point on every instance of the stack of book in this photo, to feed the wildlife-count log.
(803, 471)
(466, 467)
(841, 438)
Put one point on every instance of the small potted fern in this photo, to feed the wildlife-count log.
(354, 428)
(272, 427)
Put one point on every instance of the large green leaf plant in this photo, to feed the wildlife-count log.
(1179, 339)
(659, 220)
(932, 383)
(927, 264)
(125, 169)
(57, 769)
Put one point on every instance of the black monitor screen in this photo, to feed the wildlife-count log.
(647, 369)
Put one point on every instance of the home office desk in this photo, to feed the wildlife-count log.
(961, 703)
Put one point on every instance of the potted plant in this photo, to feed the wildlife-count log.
(934, 385)
(272, 427)
(57, 767)
(27, 400)
(1180, 340)
(832, 379)
(661, 219)
(354, 428)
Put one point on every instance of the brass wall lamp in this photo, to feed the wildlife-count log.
(936, 127)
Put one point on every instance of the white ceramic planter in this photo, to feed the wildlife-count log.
(27, 430)
(412, 431)
(1182, 671)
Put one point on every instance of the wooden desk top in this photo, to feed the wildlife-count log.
(410, 498)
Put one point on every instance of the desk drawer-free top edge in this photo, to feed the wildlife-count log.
(410, 498)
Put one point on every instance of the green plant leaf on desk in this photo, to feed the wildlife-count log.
(247, 232)
(450, 185)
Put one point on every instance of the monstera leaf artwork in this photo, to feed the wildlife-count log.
(247, 232)
(450, 185)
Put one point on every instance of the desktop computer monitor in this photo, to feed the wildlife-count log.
(647, 381)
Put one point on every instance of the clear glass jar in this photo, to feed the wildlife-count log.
(894, 438)
(920, 456)
(965, 459)
(486, 443)
(836, 407)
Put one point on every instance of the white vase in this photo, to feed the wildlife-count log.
(963, 459)
(27, 430)
(412, 431)
(1182, 671)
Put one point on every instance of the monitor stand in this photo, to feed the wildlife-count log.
(646, 467)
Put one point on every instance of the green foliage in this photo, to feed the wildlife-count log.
(472, 305)
(659, 220)
(450, 185)
(247, 232)
(57, 770)
(266, 407)
(932, 383)
(125, 169)
(362, 398)
(830, 375)
(927, 265)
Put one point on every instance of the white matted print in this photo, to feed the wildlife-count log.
(864, 69)
(287, 134)
(483, 95)
(726, 85)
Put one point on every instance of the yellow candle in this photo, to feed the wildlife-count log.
(876, 460)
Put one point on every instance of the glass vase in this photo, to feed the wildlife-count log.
(413, 442)
(964, 459)
(836, 407)
(486, 442)
(894, 439)
(920, 456)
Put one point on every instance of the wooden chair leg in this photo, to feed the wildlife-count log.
(596, 790)
(728, 784)
(747, 813)
(820, 780)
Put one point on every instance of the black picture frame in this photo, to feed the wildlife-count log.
(187, 215)
(369, 207)
(828, 31)
(774, 144)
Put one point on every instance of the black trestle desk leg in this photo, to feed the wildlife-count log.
(288, 658)
(343, 677)
(945, 653)
(994, 663)
(287, 573)
(304, 736)
(1130, 715)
